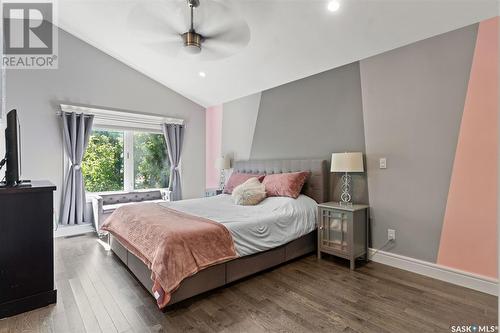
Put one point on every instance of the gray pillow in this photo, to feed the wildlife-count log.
(250, 193)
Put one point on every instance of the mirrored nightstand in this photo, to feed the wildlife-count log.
(343, 231)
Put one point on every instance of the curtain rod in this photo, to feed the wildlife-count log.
(60, 113)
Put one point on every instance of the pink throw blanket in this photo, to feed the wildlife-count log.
(174, 245)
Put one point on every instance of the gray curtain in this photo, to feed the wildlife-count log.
(77, 129)
(174, 135)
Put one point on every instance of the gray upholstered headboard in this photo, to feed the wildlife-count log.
(316, 186)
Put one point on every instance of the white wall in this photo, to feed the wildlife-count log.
(90, 77)
(2, 144)
(2, 114)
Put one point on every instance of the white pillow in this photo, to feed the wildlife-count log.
(249, 193)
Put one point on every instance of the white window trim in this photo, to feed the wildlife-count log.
(128, 161)
(128, 123)
(123, 119)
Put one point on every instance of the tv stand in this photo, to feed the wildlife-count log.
(22, 183)
(27, 250)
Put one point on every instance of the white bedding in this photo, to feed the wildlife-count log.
(273, 222)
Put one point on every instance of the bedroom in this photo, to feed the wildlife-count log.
(410, 88)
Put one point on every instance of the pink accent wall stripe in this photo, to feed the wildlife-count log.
(469, 234)
(213, 134)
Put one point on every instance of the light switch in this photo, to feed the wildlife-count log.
(383, 163)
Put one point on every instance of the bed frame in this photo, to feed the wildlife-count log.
(219, 275)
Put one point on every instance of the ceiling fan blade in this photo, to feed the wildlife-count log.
(160, 25)
(165, 47)
(209, 54)
(151, 21)
(214, 50)
(237, 34)
(210, 13)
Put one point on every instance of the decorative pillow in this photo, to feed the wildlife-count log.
(249, 193)
(238, 178)
(285, 184)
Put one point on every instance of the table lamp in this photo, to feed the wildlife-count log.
(221, 164)
(346, 162)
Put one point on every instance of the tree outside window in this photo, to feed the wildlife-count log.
(102, 165)
(114, 159)
(151, 165)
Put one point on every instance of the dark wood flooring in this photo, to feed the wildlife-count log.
(96, 293)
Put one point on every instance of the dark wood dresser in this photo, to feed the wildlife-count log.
(26, 248)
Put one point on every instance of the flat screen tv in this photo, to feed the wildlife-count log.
(12, 149)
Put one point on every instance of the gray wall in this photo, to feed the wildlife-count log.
(413, 99)
(238, 126)
(314, 117)
(88, 76)
(406, 104)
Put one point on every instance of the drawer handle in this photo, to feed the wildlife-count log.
(321, 227)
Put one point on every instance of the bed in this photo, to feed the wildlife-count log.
(285, 228)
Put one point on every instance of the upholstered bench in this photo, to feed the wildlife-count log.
(103, 205)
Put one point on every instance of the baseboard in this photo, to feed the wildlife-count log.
(73, 230)
(465, 279)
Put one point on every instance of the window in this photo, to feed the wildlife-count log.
(126, 150)
(125, 160)
(151, 164)
(102, 165)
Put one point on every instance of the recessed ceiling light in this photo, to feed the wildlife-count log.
(202, 74)
(333, 6)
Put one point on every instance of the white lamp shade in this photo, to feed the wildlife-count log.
(222, 163)
(347, 162)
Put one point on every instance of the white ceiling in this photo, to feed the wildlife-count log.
(290, 39)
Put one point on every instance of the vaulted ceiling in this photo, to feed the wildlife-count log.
(288, 39)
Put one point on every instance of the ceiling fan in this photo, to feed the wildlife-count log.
(209, 28)
(192, 39)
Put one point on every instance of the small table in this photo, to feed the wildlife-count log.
(343, 231)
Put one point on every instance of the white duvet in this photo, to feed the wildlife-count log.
(273, 222)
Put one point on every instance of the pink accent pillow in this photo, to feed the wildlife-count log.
(285, 184)
(238, 178)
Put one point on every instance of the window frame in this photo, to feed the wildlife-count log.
(128, 159)
(126, 122)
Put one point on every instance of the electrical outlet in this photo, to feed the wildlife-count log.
(391, 234)
(382, 163)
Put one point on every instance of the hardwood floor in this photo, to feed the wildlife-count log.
(96, 293)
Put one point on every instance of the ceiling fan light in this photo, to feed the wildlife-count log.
(192, 49)
(192, 42)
